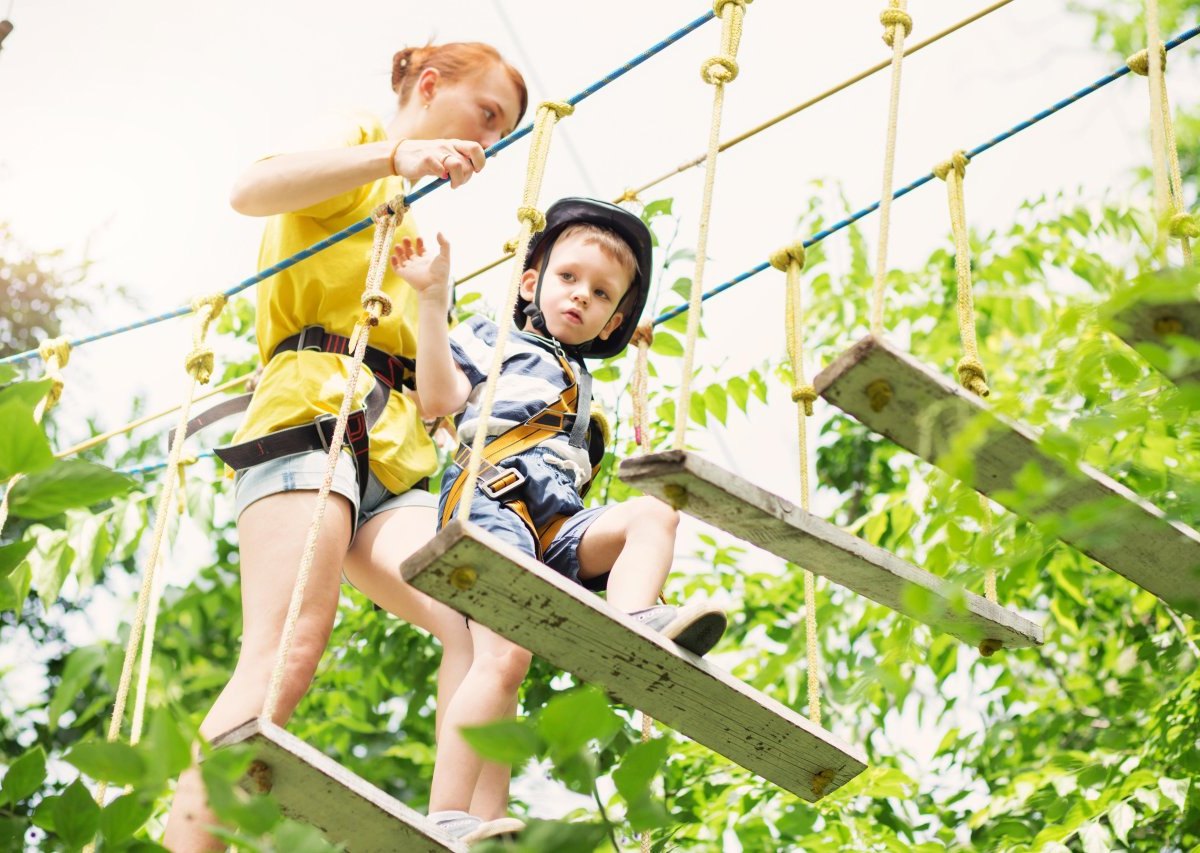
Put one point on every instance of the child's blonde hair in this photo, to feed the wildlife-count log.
(610, 244)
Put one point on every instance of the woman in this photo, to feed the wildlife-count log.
(453, 101)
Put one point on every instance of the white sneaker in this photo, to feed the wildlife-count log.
(501, 827)
(696, 627)
(456, 824)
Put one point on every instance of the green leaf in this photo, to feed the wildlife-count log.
(1121, 816)
(739, 390)
(507, 742)
(683, 287)
(69, 483)
(638, 768)
(23, 445)
(607, 373)
(8, 373)
(76, 815)
(82, 665)
(12, 833)
(169, 753)
(1175, 790)
(572, 719)
(108, 762)
(662, 207)
(11, 555)
(50, 562)
(696, 410)
(14, 589)
(124, 816)
(24, 776)
(716, 401)
(666, 344)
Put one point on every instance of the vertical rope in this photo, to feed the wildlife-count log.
(199, 365)
(643, 337)
(897, 25)
(376, 304)
(55, 353)
(716, 71)
(1158, 145)
(532, 220)
(791, 260)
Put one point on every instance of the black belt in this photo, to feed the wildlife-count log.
(392, 370)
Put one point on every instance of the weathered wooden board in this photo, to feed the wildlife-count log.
(1149, 322)
(726, 501)
(312, 788)
(532, 605)
(924, 413)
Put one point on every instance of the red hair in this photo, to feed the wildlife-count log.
(454, 61)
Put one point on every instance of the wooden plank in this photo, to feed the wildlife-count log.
(314, 789)
(728, 502)
(532, 605)
(1156, 323)
(925, 413)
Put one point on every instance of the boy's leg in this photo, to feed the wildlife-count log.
(635, 542)
(372, 565)
(272, 533)
(488, 693)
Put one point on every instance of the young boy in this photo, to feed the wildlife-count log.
(585, 283)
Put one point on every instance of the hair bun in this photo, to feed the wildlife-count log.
(402, 63)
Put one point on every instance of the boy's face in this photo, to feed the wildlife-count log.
(581, 290)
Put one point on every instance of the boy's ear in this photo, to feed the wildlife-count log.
(611, 326)
(528, 284)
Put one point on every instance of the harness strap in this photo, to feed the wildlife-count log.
(393, 371)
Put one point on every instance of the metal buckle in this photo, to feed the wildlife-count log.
(318, 332)
(503, 490)
(318, 420)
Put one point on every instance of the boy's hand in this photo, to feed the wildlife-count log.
(429, 275)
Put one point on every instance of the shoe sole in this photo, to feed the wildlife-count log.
(697, 630)
(504, 827)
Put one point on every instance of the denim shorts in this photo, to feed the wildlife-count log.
(306, 472)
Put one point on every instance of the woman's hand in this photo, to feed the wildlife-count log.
(427, 274)
(455, 159)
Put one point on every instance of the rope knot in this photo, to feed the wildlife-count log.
(58, 349)
(957, 163)
(783, 258)
(1184, 226)
(1139, 63)
(892, 18)
(719, 5)
(510, 247)
(199, 363)
(377, 303)
(215, 303)
(807, 395)
(719, 70)
(972, 376)
(643, 334)
(629, 195)
(535, 218)
(395, 207)
(561, 109)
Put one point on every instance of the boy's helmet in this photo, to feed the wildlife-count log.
(627, 226)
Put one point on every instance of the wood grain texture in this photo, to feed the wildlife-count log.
(535, 607)
(774, 524)
(925, 413)
(314, 789)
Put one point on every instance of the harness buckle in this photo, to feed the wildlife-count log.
(318, 339)
(493, 491)
(325, 435)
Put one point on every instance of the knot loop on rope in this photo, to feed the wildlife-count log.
(1139, 63)
(643, 334)
(379, 301)
(55, 353)
(560, 109)
(957, 163)
(1183, 225)
(807, 395)
(972, 376)
(535, 218)
(199, 362)
(892, 18)
(215, 303)
(719, 69)
(719, 5)
(57, 348)
(783, 258)
(630, 194)
(510, 247)
(395, 207)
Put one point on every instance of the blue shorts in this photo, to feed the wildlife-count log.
(548, 491)
(306, 472)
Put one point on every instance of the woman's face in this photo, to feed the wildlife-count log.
(482, 108)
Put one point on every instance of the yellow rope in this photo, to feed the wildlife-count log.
(897, 25)
(199, 366)
(643, 337)
(376, 304)
(633, 193)
(647, 728)
(989, 579)
(97, 440)
(971, 374)
(1179, 223)
(716, 71)
(790, 260)
(532, 220)
(1158, 146)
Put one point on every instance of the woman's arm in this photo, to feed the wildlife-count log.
(290, 182)
(442, 386)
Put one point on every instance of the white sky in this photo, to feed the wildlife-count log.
(123, 126)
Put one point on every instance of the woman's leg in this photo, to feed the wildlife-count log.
(487, 694)
(272, 532)
(372, 565)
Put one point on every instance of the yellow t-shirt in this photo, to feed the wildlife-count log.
(325, 290)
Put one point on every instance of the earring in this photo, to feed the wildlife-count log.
(426, 105)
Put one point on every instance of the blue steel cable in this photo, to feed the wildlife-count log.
(151, 467)
(924, 179)
(416, 195)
